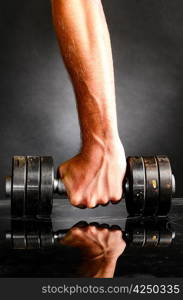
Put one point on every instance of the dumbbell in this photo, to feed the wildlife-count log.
(34, 234)
(148, 186)
(149, 233)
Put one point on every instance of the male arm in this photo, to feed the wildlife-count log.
(95, 175)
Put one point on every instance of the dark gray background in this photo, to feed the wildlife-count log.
(37, 106)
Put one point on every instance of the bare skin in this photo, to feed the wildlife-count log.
(95, 175)
(100, 249)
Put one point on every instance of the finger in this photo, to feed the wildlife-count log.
(81, 224)
(115, 227)
(81, 206)
(105, 204)
(60, 172)
(91, 203)
(115, 201)
(104, 225)
(95, 206)
(103, 201)
(95, 224)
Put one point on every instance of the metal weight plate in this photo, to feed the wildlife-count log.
(149, 232)
(167, 234)
(32, 235)
(139, 237)
(135, 186)
(18, 235)
(46, 234)
(46, 186)
(166, 238)
(165, 179)
(135, 232)
(6, 240)
(18, 186)
(152, 238)
(33, 186)
(152, 186)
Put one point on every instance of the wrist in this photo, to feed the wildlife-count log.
(101, 267)
(99, 128)
(102, 146)
(97, 154)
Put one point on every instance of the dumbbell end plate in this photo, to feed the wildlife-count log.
(8, 186)
(173, 185)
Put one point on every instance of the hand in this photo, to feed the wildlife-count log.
(95, 175)
(100, 248)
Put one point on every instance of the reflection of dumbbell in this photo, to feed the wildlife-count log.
(156, 232)
(30, 234)
(148, 186)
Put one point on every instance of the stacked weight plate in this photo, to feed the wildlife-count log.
(149, 185)
(32, 183)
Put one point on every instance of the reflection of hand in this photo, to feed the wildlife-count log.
(100, 248)
(93, 177)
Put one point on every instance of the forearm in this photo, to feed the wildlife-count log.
(85, 46)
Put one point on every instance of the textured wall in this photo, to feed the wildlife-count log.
(37, 107)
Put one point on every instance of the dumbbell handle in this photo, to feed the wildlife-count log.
(59, 186)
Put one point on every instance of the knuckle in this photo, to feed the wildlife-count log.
(61, 171)
(118, 233)
(119, 194)
(94, 224)
(92, 229)
(75, 201)
(123, 244)
(105, 225)
(102, 201)
(76, 231)
(114, 228)
(104, 230)
(116, 197)
(90, 203)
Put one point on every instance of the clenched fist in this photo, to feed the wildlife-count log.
(94, 176)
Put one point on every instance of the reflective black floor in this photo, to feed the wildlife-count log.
(154, 246)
